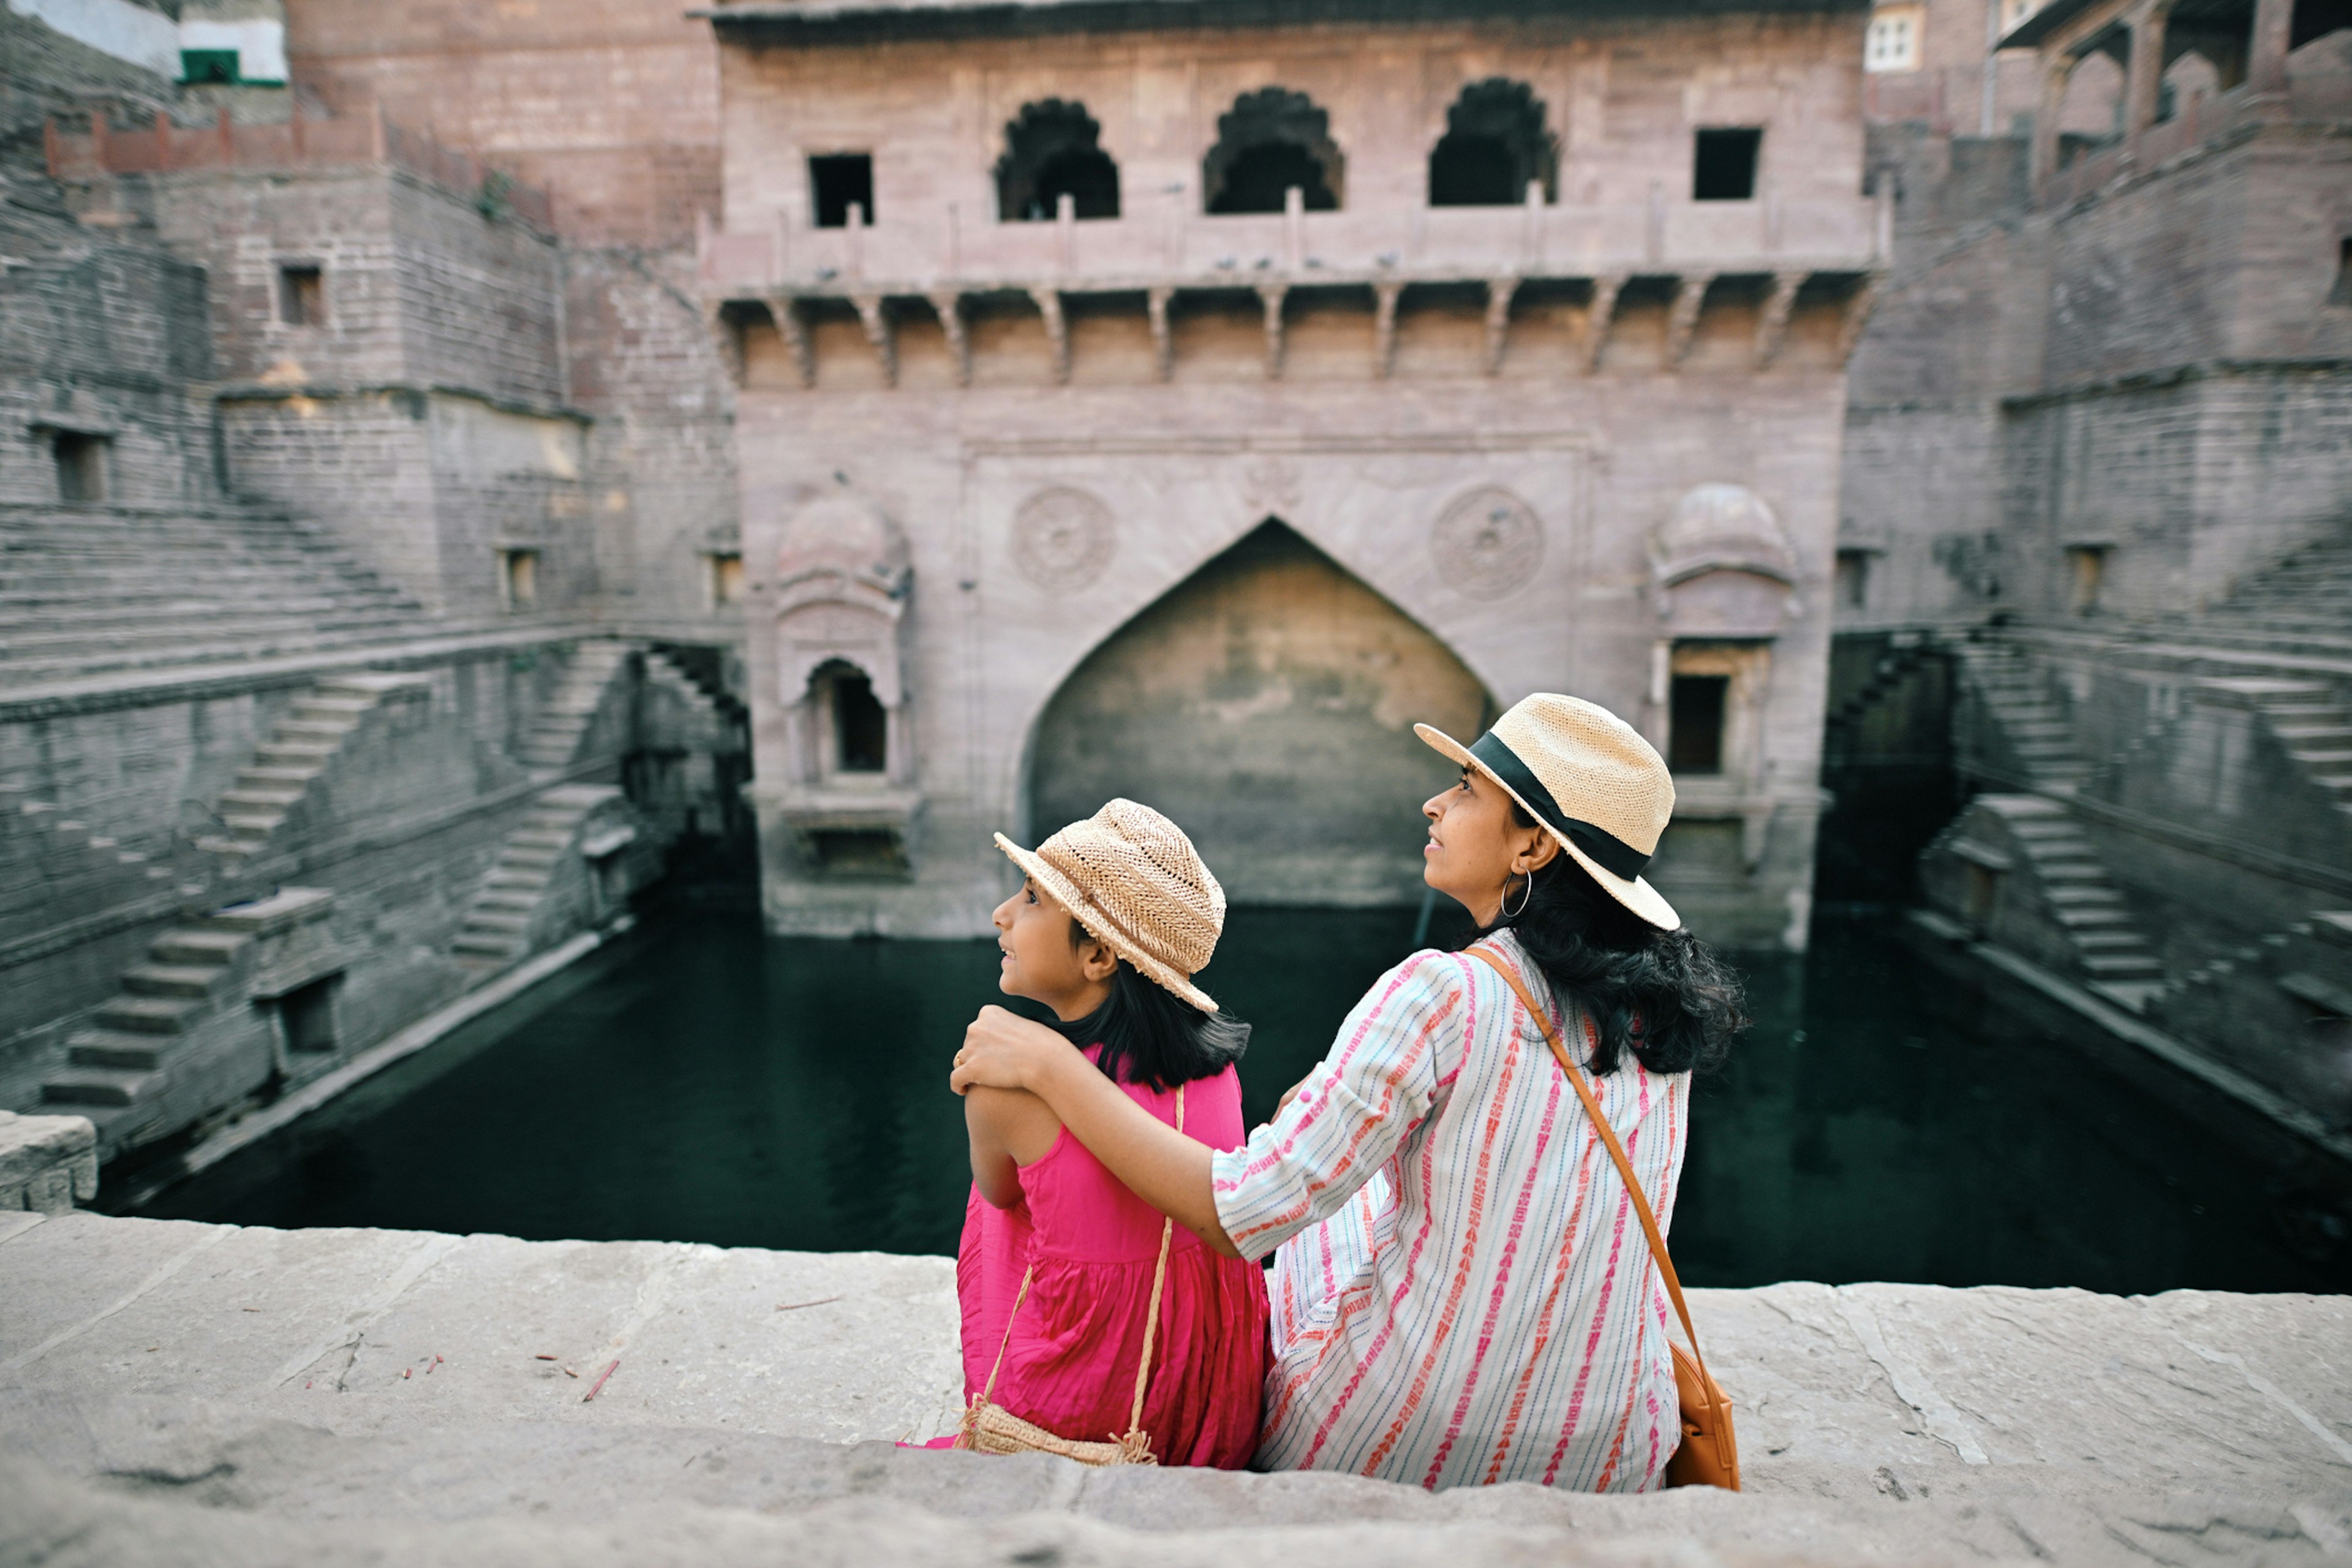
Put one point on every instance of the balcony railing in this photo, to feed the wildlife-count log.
(917, 252)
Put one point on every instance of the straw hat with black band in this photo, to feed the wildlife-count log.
(1134, 882)
(1592, 781)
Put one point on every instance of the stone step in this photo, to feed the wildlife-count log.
(487, 920)
(486, 944)
(516, 879)
(324, 730)
(2093, 893)
(257, 776)
(538, 839)
(251, 823)
(270, 803)
(196, 980)
(148, 1015)
(2122, 966)
(192, 947)
(2092, 917)
(502, 898)
(115, 1049)
(99, 1085)
(2119, 941)
(524, 857)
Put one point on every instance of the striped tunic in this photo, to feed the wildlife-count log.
(1462, 1294)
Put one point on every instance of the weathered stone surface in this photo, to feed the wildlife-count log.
(173, 1392)
(47, 1162)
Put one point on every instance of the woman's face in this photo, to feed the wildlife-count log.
(1043, 963)
(1475, 851)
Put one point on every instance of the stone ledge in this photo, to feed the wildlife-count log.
(181, 1393)
(47, 1162)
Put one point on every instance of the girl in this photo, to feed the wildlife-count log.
(1115, 916)
(1462, 1292)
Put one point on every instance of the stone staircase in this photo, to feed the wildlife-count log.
(300, 749)
(2033, 726)
(2301, 606)
(560, 726)
(2110, 950)
(54, 869)
(510, 910)
(87, 591)
(152, 1036)
(2311, 720)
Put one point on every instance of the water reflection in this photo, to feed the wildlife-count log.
(699, 1081)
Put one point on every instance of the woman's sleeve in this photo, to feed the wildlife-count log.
(1395, 1057)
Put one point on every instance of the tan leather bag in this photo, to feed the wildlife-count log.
(1709, 1456)
(990, 1429)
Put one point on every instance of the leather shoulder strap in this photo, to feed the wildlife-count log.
(1608, 1138)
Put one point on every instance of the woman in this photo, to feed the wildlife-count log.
(1462, 1294)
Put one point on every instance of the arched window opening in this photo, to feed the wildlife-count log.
(2090, 114)
(1052, 149)
(1494, 146)
(1272, 140)
(861, 729)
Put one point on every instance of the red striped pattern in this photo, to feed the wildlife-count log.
(1460, 1292)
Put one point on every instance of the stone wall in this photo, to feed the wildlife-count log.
(613, 104)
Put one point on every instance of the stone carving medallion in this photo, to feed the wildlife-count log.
(1062, 539)
(1487, 543)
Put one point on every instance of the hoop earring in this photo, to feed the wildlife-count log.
(1528, 892)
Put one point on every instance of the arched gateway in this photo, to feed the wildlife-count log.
(1266, 703)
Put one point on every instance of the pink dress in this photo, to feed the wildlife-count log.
(1070, 1367)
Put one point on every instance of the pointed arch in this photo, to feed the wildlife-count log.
(1054, 148)
(1270, 141)
(1496, 145)
(1266, 704)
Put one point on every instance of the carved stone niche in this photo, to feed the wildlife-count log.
(1721, 566)
(1723, 577)
(841, 590)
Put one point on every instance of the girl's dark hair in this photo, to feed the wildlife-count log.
(1152, 1037)
(1662, 993)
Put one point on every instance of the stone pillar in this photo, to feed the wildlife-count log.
(47, 1162)
(2144, 73)
(2266, 51)
(2056, 67)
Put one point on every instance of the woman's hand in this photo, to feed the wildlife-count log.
(1004, 1050)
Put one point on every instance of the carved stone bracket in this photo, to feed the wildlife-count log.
(1682, 319)
(949, 307)
(1057, 330)
(1498, 319)
(1857, 316)
(1772, 325)
(1163, 337)
(1384, 299)
(1600, 317)
(1273, 294)
(786, 311)
(875, 319)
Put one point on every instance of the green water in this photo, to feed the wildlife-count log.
(700, 1081)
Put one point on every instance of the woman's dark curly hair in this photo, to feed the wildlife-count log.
(1662, 993)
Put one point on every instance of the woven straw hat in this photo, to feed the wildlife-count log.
(1590, 778)
(1131, 878)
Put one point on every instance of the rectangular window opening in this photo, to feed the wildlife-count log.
(726, 578)
(2089, 571)
(1724, 169)
(859, 852)
(1854, 578)
(838, 181)
(519, 579)
(2342, 293)
(306, 1016)
(1695, 715)
(81, 464)
(208, 68)
(1892, 43)
(301, 294)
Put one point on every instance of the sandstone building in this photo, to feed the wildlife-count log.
(2096, 544)
(1150, 408)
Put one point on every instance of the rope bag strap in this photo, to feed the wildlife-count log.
(1608, 1138)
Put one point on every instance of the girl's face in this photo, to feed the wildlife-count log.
(1475, 852)
(1042, 963)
